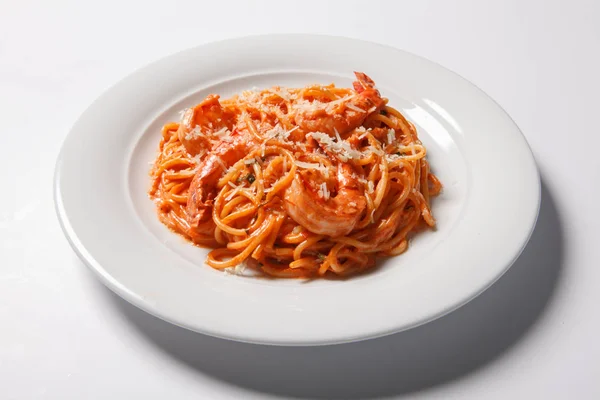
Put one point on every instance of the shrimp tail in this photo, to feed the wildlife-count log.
(363, 82)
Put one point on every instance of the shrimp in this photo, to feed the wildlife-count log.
(335, 216)
(343, 119)
(203, 187)
(200, 122)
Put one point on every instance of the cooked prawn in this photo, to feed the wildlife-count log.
(203, 186)
(200, 122)
(335, 216)
(342, 118)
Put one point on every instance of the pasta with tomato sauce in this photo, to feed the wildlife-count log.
(295, 182)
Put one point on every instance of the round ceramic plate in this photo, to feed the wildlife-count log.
(485, 214)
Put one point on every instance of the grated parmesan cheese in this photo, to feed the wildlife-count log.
(198, 156)
(355, 108)
(393, 157)
(290, 131)
(283, 93)
(194, 133)
(391, 134)
(337, 135)
(339, 147)
(370, 186)
(307, 165)
(278, 132)
(222, 131)
(221, 163)
(232, 194)
(323, 191)
(237, 270)
(340, 101)
(305, 105)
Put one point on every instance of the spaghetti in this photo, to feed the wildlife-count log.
(301, 182)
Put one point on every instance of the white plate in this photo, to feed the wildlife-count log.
(485, 215)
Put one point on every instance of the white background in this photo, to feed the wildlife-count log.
(534, 334)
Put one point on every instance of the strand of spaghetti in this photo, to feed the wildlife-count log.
(403, 123)
(306, 262)
(424, 186)
(258, 181)
(284, 273)
(413, 152)
(351, 242)
(239, 214)
(383, 208)
(247, 236)
(280, 252)
(294, 238)
(230, 205)
(252, 128)
(220, 237)
(262, 233)
(275, 231)
(358, 258)
(425, 211)
(183, 174)
(302, 246)
(435, 186)
(332, 257)
(381, 188)
(182, 162)
(385, 120)
(220, 224)
(284, 182)
(398, 249)
(181, 199)
(257, 253)
(371, 156)
(178, 188)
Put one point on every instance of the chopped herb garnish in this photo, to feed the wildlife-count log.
(250, 178)
(321, 256)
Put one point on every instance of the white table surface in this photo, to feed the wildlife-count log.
(534, 334)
